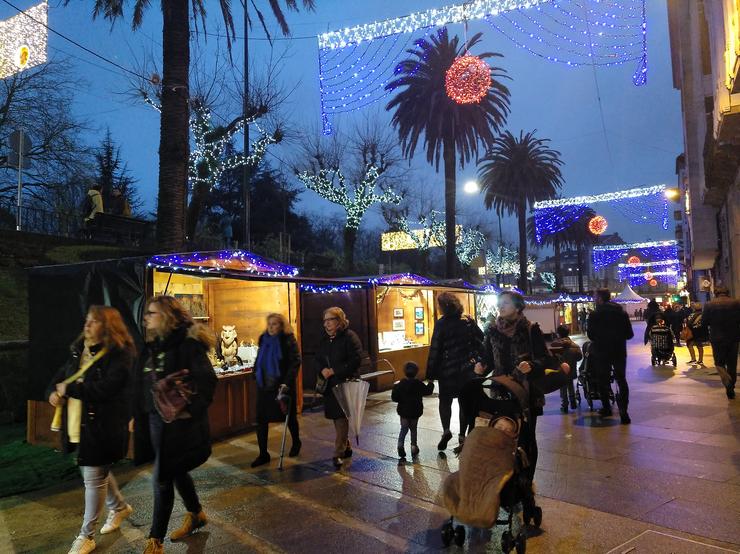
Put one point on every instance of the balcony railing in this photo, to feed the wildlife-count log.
(40, 220)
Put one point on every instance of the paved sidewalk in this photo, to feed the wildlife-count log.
(670, 482)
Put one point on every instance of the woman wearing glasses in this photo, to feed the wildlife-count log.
(174, 342)
(338, 360)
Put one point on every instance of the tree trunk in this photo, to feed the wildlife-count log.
(448, 153)
(174, 134)
(558, 267)
(522, 215)
(197, 201)
(579, 251)
(350, 238)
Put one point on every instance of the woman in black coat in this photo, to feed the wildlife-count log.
(698, 333)
(456, 347)
(175, 343)
(338, 359)
(276, 370)
(95, 414)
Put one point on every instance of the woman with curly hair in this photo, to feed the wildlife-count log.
(92, 392)
(174, 343)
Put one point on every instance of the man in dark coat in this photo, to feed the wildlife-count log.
(722, 317)
(609, 329)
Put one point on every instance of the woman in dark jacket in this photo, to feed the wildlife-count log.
(338, 359)
(175, 343)
(455, 348)
(276, 369)
(698, 333)
(95, 414)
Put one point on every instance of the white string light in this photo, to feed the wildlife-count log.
(606, 197)
(23, 40)
(634, 245)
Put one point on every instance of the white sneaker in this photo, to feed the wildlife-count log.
(82, 545)
(115, 518)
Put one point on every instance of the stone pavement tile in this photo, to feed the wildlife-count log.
(721, 472)
(690, 451)
(704, 519)
(654, 541)
(702, 424)
(648, 431)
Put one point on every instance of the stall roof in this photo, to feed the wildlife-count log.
(392, 279)
(629, 296)
(238, 261)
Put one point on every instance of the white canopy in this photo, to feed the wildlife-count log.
(628, 296)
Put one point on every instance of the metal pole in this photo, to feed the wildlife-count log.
(20, 181)
(246, 170)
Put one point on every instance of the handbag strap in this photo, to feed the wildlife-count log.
(80, 372)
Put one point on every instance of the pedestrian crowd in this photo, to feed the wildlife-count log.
(106, 389)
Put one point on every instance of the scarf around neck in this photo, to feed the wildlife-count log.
(267, 365)
(508, 327)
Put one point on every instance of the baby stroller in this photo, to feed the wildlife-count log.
(661, 345)
(588, 380)
(493, 464)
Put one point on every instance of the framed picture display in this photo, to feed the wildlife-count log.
(419, 313)
(399, 325)
(419, 328)
(397, 312)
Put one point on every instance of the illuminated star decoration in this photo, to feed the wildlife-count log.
(23, 40)
(467, 80)
(356, 199)
(207, 162)
(597, 224)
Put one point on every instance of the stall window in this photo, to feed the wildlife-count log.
(404, 316)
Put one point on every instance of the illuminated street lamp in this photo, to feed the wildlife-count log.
(471, 187)
(672, 193)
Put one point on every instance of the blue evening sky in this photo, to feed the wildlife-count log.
(643, 123)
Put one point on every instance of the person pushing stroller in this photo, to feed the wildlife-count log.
(408, 393)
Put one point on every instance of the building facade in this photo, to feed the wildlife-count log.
(705, 57)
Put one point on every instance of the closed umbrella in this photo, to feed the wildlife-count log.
(352, 396)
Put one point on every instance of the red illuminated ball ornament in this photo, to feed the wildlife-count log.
(653, 283)
(633, 260)
(597, 224)
(467, 80)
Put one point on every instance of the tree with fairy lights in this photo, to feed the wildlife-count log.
(469, 241)
(556, 240)
(174, 145)
(503, 261)
(516, 173)
(357, 191)
(433, 101)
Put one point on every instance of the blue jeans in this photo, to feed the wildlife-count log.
(100, 488)
(164, 490)
(406, 426)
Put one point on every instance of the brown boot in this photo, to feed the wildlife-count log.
(153, 546)
(189, 525)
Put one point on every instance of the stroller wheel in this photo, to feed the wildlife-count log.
(448, 533)
(459, 535)
(537, 516)
(507, 542)
(521, 544)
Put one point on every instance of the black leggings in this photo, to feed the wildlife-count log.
(445, 413)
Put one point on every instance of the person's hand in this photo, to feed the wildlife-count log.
(62, 389)
(283, 389)
(524, 367)
(565, 368)
(56, 400)
(131, 425)
(327, 372)
(479, 368)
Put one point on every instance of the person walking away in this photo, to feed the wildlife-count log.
(457, 344)
(174, 343)
(675, 318)
(276, 370)
(570, 353)
(721, 316)
(698, 334)
(609, 329)
(92, 390)
(338, 360)
(92, 206)
(408, 393)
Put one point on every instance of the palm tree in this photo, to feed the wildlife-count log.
(555, 240)
(174, 131)
(517, 172)
(451, 131)
(579, 237)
